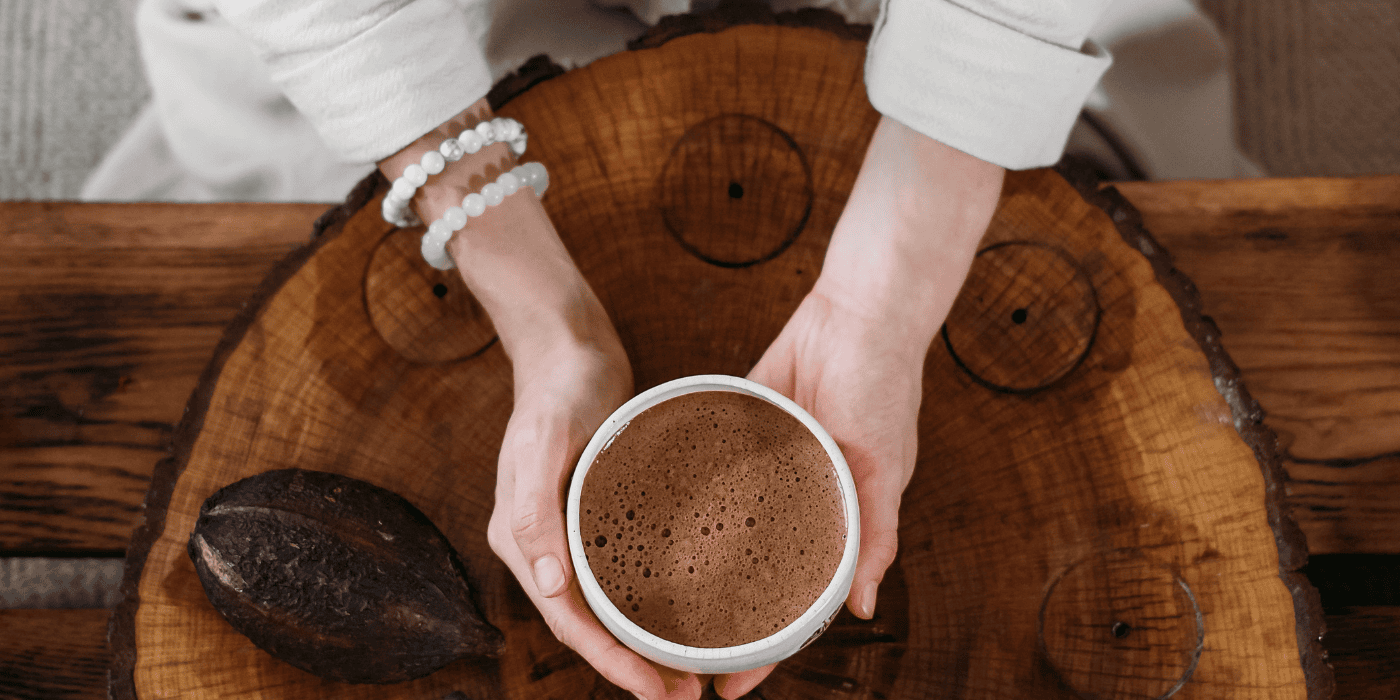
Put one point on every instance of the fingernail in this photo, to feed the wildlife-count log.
(549, 576)
(638, 696)
(867, 600)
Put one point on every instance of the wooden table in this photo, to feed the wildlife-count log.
(109, 312)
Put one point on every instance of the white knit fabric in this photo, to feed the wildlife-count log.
(370, 75)
(999, 79)
(1002, 81)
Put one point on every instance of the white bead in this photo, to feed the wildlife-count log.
(474, 204)
(518, 145)
(506, 129)
(493, 194)
(539, 178)
(397, 215)
(525, 174)
(435, 254)
(488, 135)
(440, 232)
(455, 217)
(415, 174)
(471, 141)
(403, 189)
(433, 162)
(429, 247)
(509, 183)
(451, 150)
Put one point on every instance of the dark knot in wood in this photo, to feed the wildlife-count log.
(1027, 316)
(424, 314)
(736, 190)
(1155, 629)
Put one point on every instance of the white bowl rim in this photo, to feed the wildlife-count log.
(806, 623)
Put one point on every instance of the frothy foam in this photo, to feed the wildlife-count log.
(713, 519)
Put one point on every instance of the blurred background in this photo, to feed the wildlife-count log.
(1316, 86)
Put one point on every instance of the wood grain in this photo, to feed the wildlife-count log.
(53, 654)
(1117, 491)
(108, 313)
(61, 654)
(91, 387)
(1365, 652)
(1300, 277)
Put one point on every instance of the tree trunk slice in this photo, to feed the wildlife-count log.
(1089, 517)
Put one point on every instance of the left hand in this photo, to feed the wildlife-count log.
(853, 353)
(863, 383)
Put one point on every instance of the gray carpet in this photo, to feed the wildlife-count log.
(70, 83)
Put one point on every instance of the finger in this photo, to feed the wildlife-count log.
(769, 374)
(574, 624)
(879, 543)
(540, 450)
(879, 487)
(736, 684)
(776, 370)
(679, 685)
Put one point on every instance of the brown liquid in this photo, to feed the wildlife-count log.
(713, 519)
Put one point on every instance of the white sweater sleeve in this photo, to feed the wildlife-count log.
(1002, 80)
(370, 75)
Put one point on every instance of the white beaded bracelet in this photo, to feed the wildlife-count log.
(473, 205)
(498, 130)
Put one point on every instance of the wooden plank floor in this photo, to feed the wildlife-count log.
(108, 314)
(1301, 276)
(62, 654)
(53, 654)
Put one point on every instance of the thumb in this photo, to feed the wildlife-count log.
(879, 543)
(776, 370)
(537, 516)
(879, 488)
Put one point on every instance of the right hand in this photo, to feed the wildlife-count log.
(570, 373)
(562, 394)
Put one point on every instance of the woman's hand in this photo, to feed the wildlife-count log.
(570, 373)
(853, 353)
(562, 394)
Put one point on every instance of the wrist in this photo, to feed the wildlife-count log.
(910, 229)
(510, 256)
(445, 189)
(513, 261)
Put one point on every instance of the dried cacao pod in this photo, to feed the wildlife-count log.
(337, 577)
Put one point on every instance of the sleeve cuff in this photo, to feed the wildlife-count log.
(977, 85)
(388, 85)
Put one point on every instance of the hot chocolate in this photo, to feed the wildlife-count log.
(713, 519)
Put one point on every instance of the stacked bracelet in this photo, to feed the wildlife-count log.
(498, 130)
(474, 204)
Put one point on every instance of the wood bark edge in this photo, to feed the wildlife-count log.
(1310, 623)
(121, 629)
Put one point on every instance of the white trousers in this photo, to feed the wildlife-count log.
(218, 129)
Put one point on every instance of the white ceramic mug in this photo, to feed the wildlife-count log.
(771, 649)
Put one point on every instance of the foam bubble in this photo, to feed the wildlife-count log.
(745, 456)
